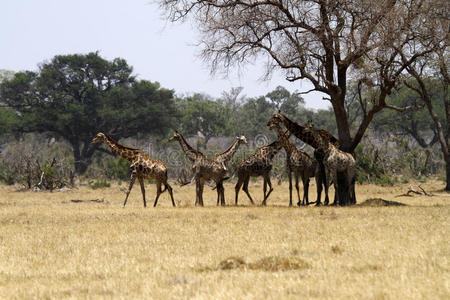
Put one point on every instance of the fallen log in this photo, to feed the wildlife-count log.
(412, 191)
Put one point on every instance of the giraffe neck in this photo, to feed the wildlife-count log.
(322, 144)
(288, 146)
(299, 132)
(190, 152)
(271, 150)
(226, 156)
(125, 152)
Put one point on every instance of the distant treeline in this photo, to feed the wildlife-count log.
(72, 97)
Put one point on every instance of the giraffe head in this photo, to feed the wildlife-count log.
(176, 136)
(309, 130)
(275, 120)
(309, 125)
(99, 137)
(242, 140)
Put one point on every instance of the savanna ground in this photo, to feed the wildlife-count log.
(52, 247)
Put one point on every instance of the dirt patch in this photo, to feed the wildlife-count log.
(268, 264)
(90, 201)
(380, 202)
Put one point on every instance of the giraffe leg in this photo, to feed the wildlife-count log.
(297, 187)
(133, 178)
(325, 181)
(219, 187)
(200, 192)
(220, 194)
(158, 192)
(319, 181)
(236, 190)
(245, 188)
(336, 191)
(264, 191)
(267, 181)
(326, 186)
(223, 196)
(290, 187)
(305, 180)
(141, 182)
(197, 191)
(169, 188)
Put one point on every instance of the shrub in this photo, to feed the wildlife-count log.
(37, 161)
(386, 180)
(100, 184)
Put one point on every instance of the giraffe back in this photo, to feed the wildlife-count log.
(148, 167)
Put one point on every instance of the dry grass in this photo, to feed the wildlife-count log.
(51, 247)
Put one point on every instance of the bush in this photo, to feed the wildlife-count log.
(385, 180)
(37, 162)
(100, 184)
(369, 164)
(117, 168)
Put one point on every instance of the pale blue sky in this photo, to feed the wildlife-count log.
(32, 31)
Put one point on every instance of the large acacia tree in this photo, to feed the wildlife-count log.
(76, 96)
(325, 42)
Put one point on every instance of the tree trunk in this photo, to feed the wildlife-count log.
(345, 192)
(80, 165)
(342, 123)
(80, 162)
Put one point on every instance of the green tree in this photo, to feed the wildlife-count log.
(285, 101)
(200, 114)
(324, 42)
(253, 116)
(76, 96)
(416, 123)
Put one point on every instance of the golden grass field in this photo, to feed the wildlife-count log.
(51, 247)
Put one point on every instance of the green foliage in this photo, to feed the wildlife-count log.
(117, 168)
(76, 96)
(415, 123)
(285, 101)
(369, 164)
(8, 120)
(253, 116)
(100, 184)
(386, 180)
(199, 114)
(412, 160)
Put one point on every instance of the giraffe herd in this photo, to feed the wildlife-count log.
(328, 161)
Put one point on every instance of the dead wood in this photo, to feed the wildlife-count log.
(88, 201)
(411, 191)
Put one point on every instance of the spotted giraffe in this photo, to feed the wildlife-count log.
(335, 160)
(298, 131)
(299, 163)
(142, 167)
(257, 164)
(204, 169)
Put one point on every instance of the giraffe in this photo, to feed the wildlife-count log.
(204, 169)
(334, 160)
(257, 164)
(307, 137)
(191, 153)
(299, 163)
(227, 155)
(142, 167)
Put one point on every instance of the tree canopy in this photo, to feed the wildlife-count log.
(324, 42)
(76, 96)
